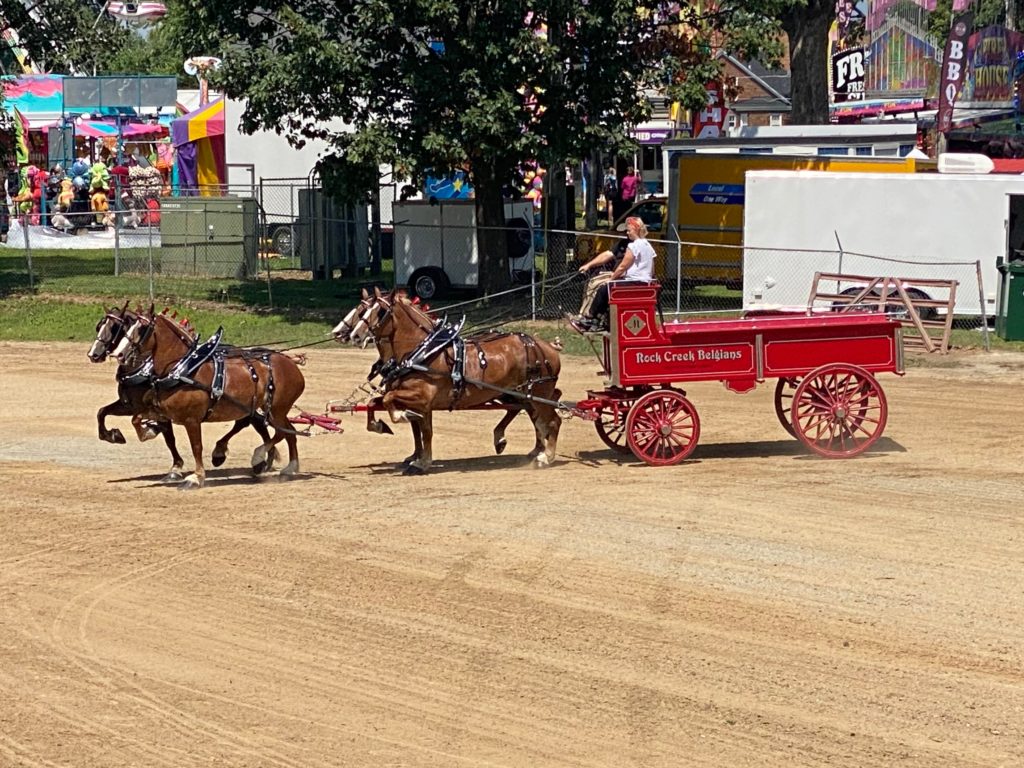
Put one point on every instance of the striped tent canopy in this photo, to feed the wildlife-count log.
(107, 129)
(198, 139)
(201, 124)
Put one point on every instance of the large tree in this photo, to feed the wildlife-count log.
(437, 85)
(806, 23)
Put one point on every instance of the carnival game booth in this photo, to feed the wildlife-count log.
(198, 140)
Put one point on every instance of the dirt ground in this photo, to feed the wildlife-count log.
(754, 606)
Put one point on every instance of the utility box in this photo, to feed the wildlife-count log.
(330, 235)
(1010, 311)
(209, 236)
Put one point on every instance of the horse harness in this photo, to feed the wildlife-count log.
(211, 351)
(446, 338)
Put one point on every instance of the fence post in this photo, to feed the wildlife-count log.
(149, 221)
(981, 303)
(679, 269)
(28, 254)
(117, 242)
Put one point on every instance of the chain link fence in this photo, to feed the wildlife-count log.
(284, 244)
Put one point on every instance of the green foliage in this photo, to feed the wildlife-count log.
(438, 85)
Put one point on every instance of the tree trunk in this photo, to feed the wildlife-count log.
(375, 256)
(807, 29)
(491, 240)
(555, 217)
(594, 176)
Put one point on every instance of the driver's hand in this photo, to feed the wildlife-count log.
(583, 269)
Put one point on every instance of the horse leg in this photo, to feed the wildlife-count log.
(195, 437)
(220, 450)
(546, 423)
(499, 431)
(417, 440)
(422, 464)
(145, 429)
(116, 408)
(167, 430)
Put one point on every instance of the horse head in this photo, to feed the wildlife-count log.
(137, 341)
(342, 332)
(109, 332)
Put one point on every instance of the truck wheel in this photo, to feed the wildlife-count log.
(429, 283)
(281, 241)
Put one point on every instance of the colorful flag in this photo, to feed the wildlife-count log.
(954, 70)
(20, 137)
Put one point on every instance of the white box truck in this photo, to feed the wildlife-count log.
(936, 225)
(436, 244)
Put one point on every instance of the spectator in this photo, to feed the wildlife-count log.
(610, 189)
(629, 188)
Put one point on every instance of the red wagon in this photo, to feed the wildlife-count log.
(826, 396)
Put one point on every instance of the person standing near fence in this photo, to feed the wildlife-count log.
(629, 188)
(610, 189)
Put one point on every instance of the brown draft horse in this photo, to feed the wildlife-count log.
(499, 361)
(257, 384)
(355, 328)
(132, 390)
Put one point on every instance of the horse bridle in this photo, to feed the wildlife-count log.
(359, 311)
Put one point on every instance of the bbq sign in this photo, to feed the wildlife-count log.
(681, 362)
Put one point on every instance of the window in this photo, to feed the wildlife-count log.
(732, 120)
(865, 151)
(833, 151)
(652, 214)
(775, 120)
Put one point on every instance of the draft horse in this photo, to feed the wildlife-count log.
(134, 380)
(354, 328)
(257, 384)
(494, 364)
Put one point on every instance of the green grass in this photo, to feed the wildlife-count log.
(72, 289)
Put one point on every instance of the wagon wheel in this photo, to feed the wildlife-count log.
(839, 410)
(784, 390)
(662, 427)
(611, 426)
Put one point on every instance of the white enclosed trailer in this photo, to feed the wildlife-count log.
(924, 225)
(436, 244)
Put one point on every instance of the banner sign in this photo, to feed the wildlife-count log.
(848, 75)
(707, 124)
(954, 68)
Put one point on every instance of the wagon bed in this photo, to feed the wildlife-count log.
(825, 363)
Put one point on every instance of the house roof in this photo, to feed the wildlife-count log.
(775, 82)
(762, 105)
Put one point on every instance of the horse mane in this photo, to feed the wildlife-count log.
(181, 326)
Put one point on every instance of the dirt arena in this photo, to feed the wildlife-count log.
(754, 606)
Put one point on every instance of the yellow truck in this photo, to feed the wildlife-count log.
(701, 220)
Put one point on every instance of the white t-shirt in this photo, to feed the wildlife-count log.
(642, 267)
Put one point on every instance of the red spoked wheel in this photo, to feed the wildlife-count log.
(839, 410)
(611, 425)
(784, 390)
(662, 427)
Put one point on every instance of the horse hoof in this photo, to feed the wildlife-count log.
(173, 476)
(218, 458)
(115, 436)
(259, 469)
(542, 461)
(148, 433)
(412, 470)
(499, 446)
(290, 470)
(190, 483)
